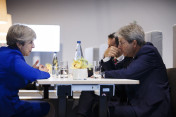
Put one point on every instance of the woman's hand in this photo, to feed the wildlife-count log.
(40, 67)
(43, 68)
(35, 65)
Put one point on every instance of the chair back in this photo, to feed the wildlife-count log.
(155, 37)
(171, 72)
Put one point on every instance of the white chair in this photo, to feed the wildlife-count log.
(156, 38)
(91, 54)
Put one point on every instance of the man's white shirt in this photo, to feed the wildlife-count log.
(119, 59)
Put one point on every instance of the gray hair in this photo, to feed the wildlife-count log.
(132, 32)
(19, 33)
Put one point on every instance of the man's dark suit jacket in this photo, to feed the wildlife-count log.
(151, 97)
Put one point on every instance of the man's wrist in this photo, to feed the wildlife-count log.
(106, 59)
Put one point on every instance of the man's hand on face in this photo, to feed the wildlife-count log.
(112, 51)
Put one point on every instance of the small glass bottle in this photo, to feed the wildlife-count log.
(78, 53)
(55, 65)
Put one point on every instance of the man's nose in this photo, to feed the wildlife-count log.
(33, 45)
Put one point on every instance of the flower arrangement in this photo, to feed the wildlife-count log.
(79, 69)
(80, 64)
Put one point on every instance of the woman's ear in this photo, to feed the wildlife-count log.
(18, 45)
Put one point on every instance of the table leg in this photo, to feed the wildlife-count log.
(45, 92)
(103, 106)
(62, 92)
(105, 91)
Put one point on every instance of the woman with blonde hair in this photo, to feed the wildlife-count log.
(15, 74)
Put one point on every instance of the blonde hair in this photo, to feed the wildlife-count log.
(19, 33)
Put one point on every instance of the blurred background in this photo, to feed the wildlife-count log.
(91, 21)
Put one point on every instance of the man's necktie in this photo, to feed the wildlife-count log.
(115, 61)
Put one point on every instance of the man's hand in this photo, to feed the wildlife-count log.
(112, 52)
(35, 65)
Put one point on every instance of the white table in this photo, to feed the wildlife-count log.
(65, 87)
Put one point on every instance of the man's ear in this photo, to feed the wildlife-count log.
(134, 43)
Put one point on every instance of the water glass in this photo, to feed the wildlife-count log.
(96, 69)
(63, 69)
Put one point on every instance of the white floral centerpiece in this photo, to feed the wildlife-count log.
(79, 69)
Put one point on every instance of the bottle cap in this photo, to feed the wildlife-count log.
(78, 41)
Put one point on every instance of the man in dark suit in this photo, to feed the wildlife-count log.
(151, 97)
(88, 98)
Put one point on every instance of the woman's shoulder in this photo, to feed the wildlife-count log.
(8, 53)
(9, 50)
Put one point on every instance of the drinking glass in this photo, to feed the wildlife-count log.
(96, 69)
(63, 69)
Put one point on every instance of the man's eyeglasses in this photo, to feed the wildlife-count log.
(121, 43)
